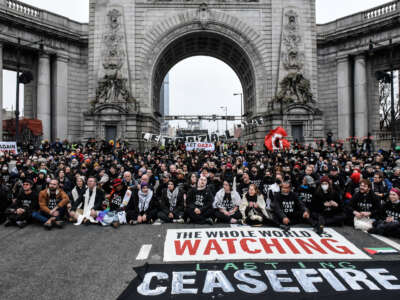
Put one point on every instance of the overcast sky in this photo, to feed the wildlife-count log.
(198, 85)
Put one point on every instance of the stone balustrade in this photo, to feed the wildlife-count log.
(381, 10)
(23, 8)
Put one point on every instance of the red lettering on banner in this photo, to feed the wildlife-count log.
(213, 245)
(326, 243)
(312, 244)
(275, 243)
(231, 245)
(291, 246)
(245, 247)
(187, 244)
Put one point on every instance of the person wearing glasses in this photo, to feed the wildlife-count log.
(20, 212)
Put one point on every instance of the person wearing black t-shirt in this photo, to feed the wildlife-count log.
(199, 203)
(20, 212)
(365, 203)
(243, 187)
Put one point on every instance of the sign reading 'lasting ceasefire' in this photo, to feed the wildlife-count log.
(269, 280)
(257, 243)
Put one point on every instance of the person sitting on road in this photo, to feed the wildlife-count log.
(199, 203)
(90, 202)
(172, 207)
(289, 209)
(389, 223)
(226, 205)
(20, 212)
(53, 203)
(142, 208)
(254, 209)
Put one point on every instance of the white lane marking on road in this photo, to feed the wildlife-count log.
(144, 252)
(387, 241)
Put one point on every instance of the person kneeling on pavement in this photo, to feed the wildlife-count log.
(199, 203)
(226, 205)
(254, 209)
(389, 224)
(142, 208)
(289, 209)
(52, 202)
(91, 200)
(172, 206)
(20, 212)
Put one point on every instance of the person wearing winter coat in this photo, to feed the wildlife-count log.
(306, 191)
(142, 208)
(52, 202)
(226, 205)
(172, 206)
(254, 209)
(90, 204)
(200, 203)
(20, 212)
(389, 222)
(327, 207)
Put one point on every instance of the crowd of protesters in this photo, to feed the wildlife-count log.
(110, 184)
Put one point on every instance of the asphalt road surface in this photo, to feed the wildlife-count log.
(94, 262)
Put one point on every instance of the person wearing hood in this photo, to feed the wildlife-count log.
(326, 207)
(172, 206)
(352, 186)
(200, 203)
(306, 191)
(142, 208)
(389, 222)
(253, 208)
(270, 186)
(226, 205)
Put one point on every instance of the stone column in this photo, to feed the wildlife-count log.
(360, 97)
(1, 91)
(44, 94)
(344, 98)
(60, 108)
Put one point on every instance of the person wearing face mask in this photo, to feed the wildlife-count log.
(389, 223)
(269, 187)
(327, 208)
(337, 180)
(255, 177)
(199, 204)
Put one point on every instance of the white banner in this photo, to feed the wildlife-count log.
(200, 146)
(8, 147)
(257, 243)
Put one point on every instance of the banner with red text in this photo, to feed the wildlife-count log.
(257, 243)
(198, 146)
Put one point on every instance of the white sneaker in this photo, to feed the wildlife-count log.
(180, 221)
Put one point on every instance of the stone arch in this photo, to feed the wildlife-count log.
(230, 29)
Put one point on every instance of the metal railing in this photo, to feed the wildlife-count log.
(23, 8)
(381, 10)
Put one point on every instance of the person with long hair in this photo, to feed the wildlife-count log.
(226, 205)
(171, 204)
(253, 208)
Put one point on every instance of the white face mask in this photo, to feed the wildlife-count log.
(325, 187)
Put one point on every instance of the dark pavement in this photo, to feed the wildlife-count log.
(94, 262)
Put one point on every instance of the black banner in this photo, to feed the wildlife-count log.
(269, 280)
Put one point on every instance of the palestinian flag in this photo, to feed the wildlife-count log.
(374, 251)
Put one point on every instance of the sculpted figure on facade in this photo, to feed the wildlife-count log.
(292, 57)
(113, 85)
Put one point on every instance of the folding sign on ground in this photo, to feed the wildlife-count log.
(257, 243)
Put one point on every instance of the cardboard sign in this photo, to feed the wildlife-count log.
(9, 147)
(257, 243)
(199, 146)
(268, 280)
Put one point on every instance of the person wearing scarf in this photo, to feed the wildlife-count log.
(254, 209)
(199, 204)
(143, 207)
(172, 204)
(226, 205)
(389, 222)
(91, 202)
